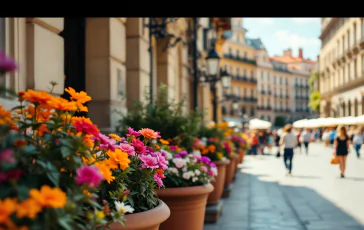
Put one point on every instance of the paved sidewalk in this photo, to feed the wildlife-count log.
(313, 198)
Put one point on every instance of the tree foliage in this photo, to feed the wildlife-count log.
(315, 95)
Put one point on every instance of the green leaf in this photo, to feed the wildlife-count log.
(53, 174)
(64, 223)
(65, 151)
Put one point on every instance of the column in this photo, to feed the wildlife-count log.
(105, 70)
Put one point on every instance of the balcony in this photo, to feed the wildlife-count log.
(244, 79)
(287, 96)
(241, 59)
(269, 92)
(264, 108)
(250, 99)
(281, 70)
(263, 92)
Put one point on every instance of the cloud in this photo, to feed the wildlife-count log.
(295, 41)
(305, 20)
(264, 21)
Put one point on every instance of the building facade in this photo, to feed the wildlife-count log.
(238, 58)
(341, 67)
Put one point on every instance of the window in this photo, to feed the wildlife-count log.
(236, 90)
(349, 71)
(244, 72)
(274, 79)
(338, 48)
(230, 51)
(343, 44)
(245, 55)
(268, 77)
(354, 34)
(348, 39)
(252, 92)
(244, 92)
(344, 75)
(252, 73)
(230, 69)
(286, 81)
(355, 68)
(262, 75)
(238, 71)
(237, 53)
(280, 80)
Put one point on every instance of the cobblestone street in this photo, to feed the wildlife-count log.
(313, 198)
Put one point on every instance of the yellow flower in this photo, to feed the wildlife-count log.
(115, 137)
(81, 97)
(87, 193)
(28, 208)
(100, 215)
(119, 157)
(220, 155)
(62, 104)
(49, 197)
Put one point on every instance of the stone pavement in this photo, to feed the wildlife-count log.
(313, 198)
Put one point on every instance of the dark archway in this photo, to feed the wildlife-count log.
(74, 35)
(349, 108)
(343, 107)
(356, 106)
(224, 110)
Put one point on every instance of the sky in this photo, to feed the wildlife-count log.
(278, 34)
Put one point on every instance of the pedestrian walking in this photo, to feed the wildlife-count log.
(342, 148)
(357, 142)
(332, 135)
(254, 143)
(288, 140)
(270, 142)
(305, 138)
(298, 136)
(325, 137)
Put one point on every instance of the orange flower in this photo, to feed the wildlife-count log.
(4, 112)
(88, 141)
(204, 151)
(149, 133)
(40, 97)
(43, 115)
(41, 130)
(160, 172)
(62, 104)
(81, 107)
(87, 193)
(49, 197)
(7, 207)
(119, 157)
(28, 208)
(111, 164)
(105, 171)
(211, 148)
(82, 96)
(164, 142)
(115, 137)
(157, 147)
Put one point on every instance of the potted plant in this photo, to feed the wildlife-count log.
(210, 145)
(241, 145)
(44, 182)
(187, 187)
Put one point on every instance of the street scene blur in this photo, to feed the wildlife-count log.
(149, 123)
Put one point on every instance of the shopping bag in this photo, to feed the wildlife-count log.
(334, 160)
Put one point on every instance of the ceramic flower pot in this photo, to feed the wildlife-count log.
(219, 182)
(241, 155)
(230, 171)
(148, 220)
(187, 206)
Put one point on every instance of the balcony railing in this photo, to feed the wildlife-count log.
(241, 59)
(264, 108)
(244, 78)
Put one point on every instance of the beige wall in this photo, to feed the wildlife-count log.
(342, 65)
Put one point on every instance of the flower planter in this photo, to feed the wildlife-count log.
(219, 182)
(187, 206)
(148, 220)
(230, 171)
(241, 155)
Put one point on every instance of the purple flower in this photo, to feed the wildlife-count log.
(149, 161)
(132, 132)
(128, 149)
(158, 178)
(89, 175)
(205, 160)
(6, 155)
(173, 148)
(177, 156)
(150, 150)
(7, 64)
(211, 139)
(212, 165)
(183, 153)
(210, 173)
(139, 146)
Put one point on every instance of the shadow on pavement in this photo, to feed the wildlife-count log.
(354, 178)
(260, 205)
(305, 177)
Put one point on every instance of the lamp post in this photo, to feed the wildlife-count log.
(215, 74)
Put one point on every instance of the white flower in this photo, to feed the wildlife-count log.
(29, 132)
(197, 172)
(121, 207)
(196, 153)
(194, 179)
(224, 158)
(188, 175)
(184, 169)
(168, 154)
(173, 170)
(214, 170)
(99, 153)
(179, 162)
(154, 141)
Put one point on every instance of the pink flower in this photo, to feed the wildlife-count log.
(173, 148)
(149, 161)
(7, 156)
(132, 132)
(3, 177)
(203, 168)
(210, 173)
(86, 127)
(158, 178)
(89, 175)
(7, 64)
(139, 146)
(162, 162)
(105, 142)
(128, 149)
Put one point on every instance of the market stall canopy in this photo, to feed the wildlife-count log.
(346, 121)
(299, 123)
(359, 120)
(259, 124)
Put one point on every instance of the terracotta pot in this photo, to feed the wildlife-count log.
(148, 220)
(187, 206)
(219, 182)
(241, 155)
(230, 171)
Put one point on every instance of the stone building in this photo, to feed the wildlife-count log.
(341, 67)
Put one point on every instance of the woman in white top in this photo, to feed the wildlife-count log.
(357, 142)
(288, 139)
